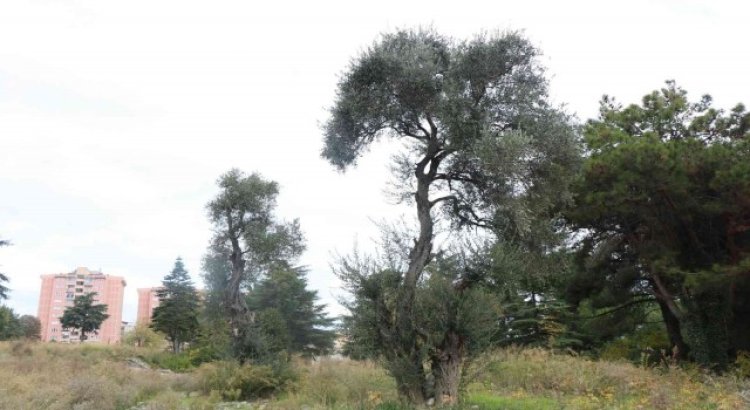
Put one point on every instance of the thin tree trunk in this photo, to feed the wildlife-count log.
(662, 294)
(672, 323)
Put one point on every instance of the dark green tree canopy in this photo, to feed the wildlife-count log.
(664, 200)
(177, 313)
(283, 298)
(10, 325)
(84, 315)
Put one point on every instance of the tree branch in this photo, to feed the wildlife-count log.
(448, 177)
(442, 198)
(621, 307)
(433, 127)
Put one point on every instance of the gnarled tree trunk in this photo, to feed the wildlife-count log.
(412, 383)
(239, 314)
(447, 364)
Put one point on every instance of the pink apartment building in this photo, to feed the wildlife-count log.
(59, 291)
(147, 301)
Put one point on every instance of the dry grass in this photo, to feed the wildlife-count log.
(580, 383)
(54, 376)
(341, 384)
(57, 376)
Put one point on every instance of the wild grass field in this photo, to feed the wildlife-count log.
(57, 377)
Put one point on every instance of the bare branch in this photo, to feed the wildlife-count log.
(442, 198)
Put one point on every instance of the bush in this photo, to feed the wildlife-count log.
(742, 364)
(144, 336)
(648, 345)
(241, 382)
(165, 360)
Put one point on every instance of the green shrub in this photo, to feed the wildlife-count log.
(647, 345)
(742, 364)
(206, 354)
(241, 382)
(165, 360)
(144, 336)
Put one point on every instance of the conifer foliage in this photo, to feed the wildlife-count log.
(290, 315)
(84, 315)
(664, 202)
(3, 277)
(177, 313)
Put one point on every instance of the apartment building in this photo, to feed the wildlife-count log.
(60, 290)
(147, 301)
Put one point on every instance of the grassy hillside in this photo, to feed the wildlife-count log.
(50, 376)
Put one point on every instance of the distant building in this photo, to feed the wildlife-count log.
(60, 290)
(147, 301)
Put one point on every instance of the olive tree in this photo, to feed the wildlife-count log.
(482, 148)
(251, 240)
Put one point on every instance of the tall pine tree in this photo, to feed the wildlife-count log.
(177, 313)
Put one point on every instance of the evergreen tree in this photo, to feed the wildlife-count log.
(177, 313)
(289, 314)
(10, 326)
(663, 204)
(214, 339)
(3, 277)
(84, 315)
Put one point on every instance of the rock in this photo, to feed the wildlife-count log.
(136, 363)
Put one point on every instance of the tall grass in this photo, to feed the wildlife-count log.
(55, 376)
(581, 383)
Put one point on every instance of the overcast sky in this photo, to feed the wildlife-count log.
(116, 117)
